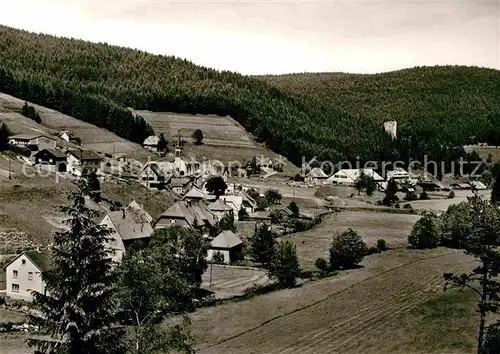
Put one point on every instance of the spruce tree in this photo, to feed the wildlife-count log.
(76, 313)
(263, 245)
(162, 144)
(4, 137)
(495, 192)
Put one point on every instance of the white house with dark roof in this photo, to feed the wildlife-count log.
(151, 176)
(349, 176)
(151, 143)
(33, 142)
(126, 225)
(227, 244)
(234, 201)
(23, 274)
(316, 175)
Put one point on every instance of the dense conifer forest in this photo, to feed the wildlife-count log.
(335, 117)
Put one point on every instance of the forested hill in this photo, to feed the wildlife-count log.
(447, 103)
(97, 82)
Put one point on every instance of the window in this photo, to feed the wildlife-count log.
(23, 262)
(15, 274)
(30, 275)
(15, 288)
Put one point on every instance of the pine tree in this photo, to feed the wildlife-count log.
(263, 245)
(495, 192)
(162, 144)
(76, 313)
(4, 137)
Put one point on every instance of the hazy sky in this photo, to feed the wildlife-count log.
(260, 37)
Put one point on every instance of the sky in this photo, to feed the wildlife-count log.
(276, 37)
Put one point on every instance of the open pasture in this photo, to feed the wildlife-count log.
(349, 313)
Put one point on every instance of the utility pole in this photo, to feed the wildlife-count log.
(211, 265)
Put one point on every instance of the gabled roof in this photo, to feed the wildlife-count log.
(151, 140)
(85, 155)
(235, 200)
(136, 206)
(353, 174)
(132, 226)
(28, 136)
(226, 239)
(247, 198)
(194, 193)
(53, 152)
(478, 185)
(39, 259)
(190, 211)
(219, 205)
(317, 173)
(179, 182)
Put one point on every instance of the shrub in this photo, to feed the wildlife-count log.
(410, 196)
(425, 233)
(372, 250)
(381, 245)
(307, 274)
(273, 196)
(322, 265)
(451, 195)
(390, 199)
(397, 206)
(407, 206)
(242, 214)
(347, 249)
(218, 258)
(275, 217)
(424, 195)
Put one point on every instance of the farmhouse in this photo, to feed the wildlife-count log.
(78, 160)
(187, 214)
(126, 226)
(228, 244)
(316, 175)
(349, 176)
(69, 137)
(54, 158)
(33, 142)
(151, 176)
(151, 143)
(24, 275)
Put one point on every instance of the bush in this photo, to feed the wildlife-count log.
(451, 195)
(242, 214)
(381, 245)
(424, 196)
(390, 199)
(407, 206)
(397, 206)
(347, 249)
(218, 258)
(307, 274)
(410, 196)
(372, 250)
(425, 233)
(275, 217)
(322, 265)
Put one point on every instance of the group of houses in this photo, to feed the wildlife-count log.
(45, 151)
(133, 223)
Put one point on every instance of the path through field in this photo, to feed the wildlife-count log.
(341, 313)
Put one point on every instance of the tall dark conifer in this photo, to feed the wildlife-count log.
(76, 313)
(495, 192)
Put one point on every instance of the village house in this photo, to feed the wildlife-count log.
(24, 274)
(219, 208)
(235, 202)
(350, 176)
(316, 175)
(194, 194)
(69, 137)
(33, 142)
(399, 175)
(187, 214)
(179, 185)
(78, 160)
(227, 244)
(151, 176)
(126, 225)
(140, 208)
(247, 202)
(151, 143)
(55, 160)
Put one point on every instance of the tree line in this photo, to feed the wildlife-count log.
(97, 82)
